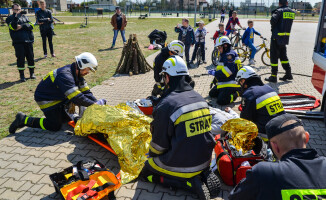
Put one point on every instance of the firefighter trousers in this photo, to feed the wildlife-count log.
(22, 51)
(52, 122)
(279, 52)
(224, 95)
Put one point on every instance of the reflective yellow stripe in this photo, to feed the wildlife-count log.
(177, 174)
(47, 105)
(26, 120)
(10, 27)
(284, 62)
(189, 184)
(21, 68)
(51, 74)
(192, 115)
(178, 46)
(267, 101)
(273, 75)
(41, 123)
(84, 89)
(225, 72)
(283, 34)
(231, 98)
(31, 24)
(239, 64)
(301, 193)
(31, 67)
(154, 150)
(228, 85)
(150, 178)
(172, 61)
(219, 67)
(72, 95)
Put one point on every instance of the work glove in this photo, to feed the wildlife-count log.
(211, 72)
(101, 102)
(154, 100)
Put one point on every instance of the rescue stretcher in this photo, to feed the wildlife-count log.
(301, 105)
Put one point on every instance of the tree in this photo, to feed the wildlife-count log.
(22, 3)
(87, 3)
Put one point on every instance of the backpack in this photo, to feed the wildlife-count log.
(86, 180)
(229, 163)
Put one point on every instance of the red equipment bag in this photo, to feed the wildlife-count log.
(229, 165)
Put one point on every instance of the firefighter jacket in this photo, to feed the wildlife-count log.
(281, 21)
(25, 34)
(260, 104)
(182, 142)
(227, 69)
(42, 16)
(158, 63)
(186, 35)
(61, 86)
(300, 174)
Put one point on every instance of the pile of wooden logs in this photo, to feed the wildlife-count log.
(132, 59)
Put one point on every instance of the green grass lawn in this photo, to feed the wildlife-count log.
(69, 42)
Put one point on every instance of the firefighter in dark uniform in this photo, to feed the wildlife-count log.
(260, 103)
(176, 47)
(282, 19)
(21, 33)
(57, 89)
(45, 20)
(225, 88)
(299, 174)
(182, 143)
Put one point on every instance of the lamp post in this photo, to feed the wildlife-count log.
(195, 12)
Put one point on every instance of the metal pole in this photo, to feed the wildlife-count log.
(195, 12)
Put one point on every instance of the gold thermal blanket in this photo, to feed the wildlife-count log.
(126, 130)
(243, 132)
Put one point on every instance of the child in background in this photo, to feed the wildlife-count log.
(233, 21)
(200, 35)
(248, 40)
(219, 32)
(187, 36)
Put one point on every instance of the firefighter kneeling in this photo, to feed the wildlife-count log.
(182, 143)
(225, 89)
(57, 89)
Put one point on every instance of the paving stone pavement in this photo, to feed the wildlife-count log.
(28, 157)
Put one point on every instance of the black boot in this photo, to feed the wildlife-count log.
(287, 76)
(19, 122)
(31, 72)
(22, 76)
(271, 79)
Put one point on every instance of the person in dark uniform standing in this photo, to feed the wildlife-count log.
(21, 33)
(45, 20)
(56, 90)
(175, 47)
(260, 103)
(182, 142)
(299, 174)
(281, 21)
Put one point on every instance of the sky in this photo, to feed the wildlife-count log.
(236, 2)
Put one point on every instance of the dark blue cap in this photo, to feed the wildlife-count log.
(274, 126)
